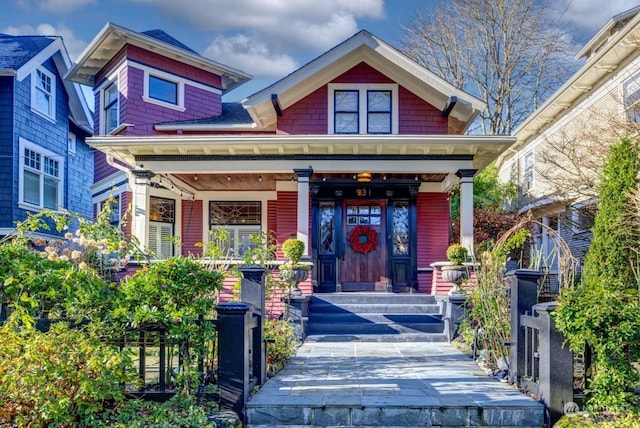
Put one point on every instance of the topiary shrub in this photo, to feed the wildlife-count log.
(457, 254)
(293, 250)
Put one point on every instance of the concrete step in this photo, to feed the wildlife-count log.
(407, 308)
(375, 317)
(377, 337)
(339, 298)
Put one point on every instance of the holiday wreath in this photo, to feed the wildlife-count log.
(363, 239)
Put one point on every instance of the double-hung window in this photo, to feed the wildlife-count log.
(631, 90)
(111, 107)
(161, 226)
(527, 184)
(40, 177)
(43, 92)
(240, 220)
(363, 109)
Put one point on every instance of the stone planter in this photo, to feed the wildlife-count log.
(456, 275)
(295, 276)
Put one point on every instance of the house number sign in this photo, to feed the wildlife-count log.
(363, 192)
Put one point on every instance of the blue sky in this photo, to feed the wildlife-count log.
(265, 38)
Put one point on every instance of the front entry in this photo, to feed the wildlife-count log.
(364, 266)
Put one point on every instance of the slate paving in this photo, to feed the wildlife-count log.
(373, 384)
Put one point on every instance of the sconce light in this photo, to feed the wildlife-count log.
(228, 178)
(363, 177)
(260, 178)
(416, 178)
(195, 177)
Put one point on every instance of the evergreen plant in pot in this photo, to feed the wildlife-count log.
(456, 273)
(294, 272)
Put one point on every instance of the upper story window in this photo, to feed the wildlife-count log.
(71, 143)
(43, 92)
(161, 226)
(40, 180)
(110, 107)
(363, 109)
(527, 183)
(631, 90)
(240, 220)
(583, 217)
(163, 89)
(112, 207)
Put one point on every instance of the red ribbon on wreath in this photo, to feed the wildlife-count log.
(363, 239)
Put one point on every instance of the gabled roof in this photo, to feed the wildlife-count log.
(597, 68)
(112, 38)
(614, 25)
(362, 47)
(21, 55)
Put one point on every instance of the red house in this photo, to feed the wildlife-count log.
(355, 154)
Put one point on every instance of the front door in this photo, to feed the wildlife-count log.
(364, 266)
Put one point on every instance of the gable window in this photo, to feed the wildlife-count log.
(240, 220)
(40, 179)
(43, 92)
(631, 90)
(163, 90)
(111, 107)
(527, 184)
(161, 226)
(363, 109)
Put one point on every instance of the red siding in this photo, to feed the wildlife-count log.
(419, 117)
(192, 233)
(287, 220)
(272, 216)
(433, 233)
(309, 115)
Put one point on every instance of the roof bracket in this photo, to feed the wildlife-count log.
(451, 103)
(276, 104)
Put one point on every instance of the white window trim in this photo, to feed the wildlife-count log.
(170, 78)
(362, 94)
(51, 114)
(575, 216)
(103, 122)
(526, 171)
(175, 225)
(72, 143)
(25, 144)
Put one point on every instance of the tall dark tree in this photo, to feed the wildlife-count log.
(507, 53)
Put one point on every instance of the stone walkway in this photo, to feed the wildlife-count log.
(366, 384)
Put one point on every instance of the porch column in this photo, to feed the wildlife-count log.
(140, 212)
(303, 207)
(466, 208)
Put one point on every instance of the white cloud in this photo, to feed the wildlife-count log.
(589, 16)
(74, 45)
(265, 34)
(55, 6)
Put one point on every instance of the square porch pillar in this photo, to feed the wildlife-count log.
(466, 208)
(303, 208)
(140, 214)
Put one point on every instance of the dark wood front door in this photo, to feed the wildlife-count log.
(364, 267)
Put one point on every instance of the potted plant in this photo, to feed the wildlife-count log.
(456, 273)
(294, 272)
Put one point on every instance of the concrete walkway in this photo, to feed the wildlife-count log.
(368, 384)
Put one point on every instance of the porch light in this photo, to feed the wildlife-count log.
(363, 177)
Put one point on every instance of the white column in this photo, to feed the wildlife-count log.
(466, 208)
(140, 214)
(303, 207)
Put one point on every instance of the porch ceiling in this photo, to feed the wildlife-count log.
(481, 150)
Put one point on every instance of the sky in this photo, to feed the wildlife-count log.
(266, 38)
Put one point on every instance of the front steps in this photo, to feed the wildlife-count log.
(375, 317)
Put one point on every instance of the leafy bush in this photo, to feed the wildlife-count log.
(293, 250)
(60, 378)
(282, 343)
(457, 254)
(602, 312)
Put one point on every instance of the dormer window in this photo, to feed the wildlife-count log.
(363, 109)
(163, 89)
(43, 92)
(111, 107)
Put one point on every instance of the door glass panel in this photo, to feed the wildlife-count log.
(401, 228)
(327, 230)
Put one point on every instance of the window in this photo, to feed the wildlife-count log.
(240, 220)
(43, 92)
(111, 107)
(40, 177)
(112, 204)
(161, 222)
(71, 147)
(363, 109)
(631, 90)
(163, 90)
(527, 184)
(582, 217)
(364, 214)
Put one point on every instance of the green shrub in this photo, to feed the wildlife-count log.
(293, 250)
(457, 254)
(282, 343)
(60, 378)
